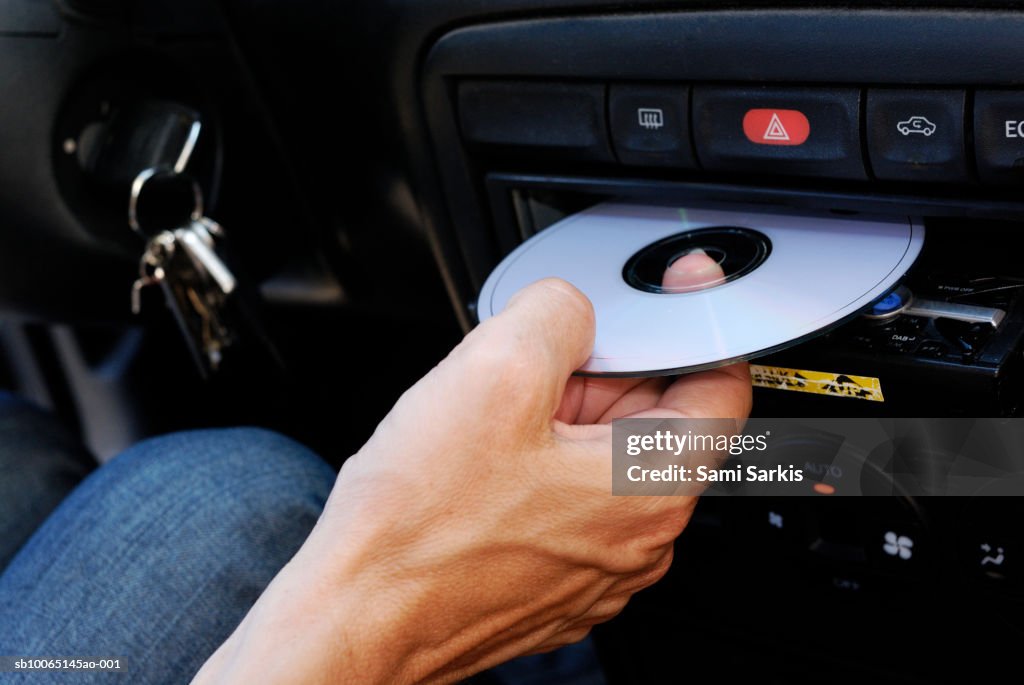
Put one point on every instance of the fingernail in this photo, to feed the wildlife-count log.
(685, 264)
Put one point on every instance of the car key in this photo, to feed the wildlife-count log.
(152, 266)
(195, 280)
(198, 302)
(198, 239)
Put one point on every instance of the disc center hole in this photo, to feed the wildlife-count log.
(696, 260)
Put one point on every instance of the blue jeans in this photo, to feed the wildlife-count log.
(156, 556)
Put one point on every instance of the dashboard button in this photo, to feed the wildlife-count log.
(651, 125)
(999, 135)
(562, 119)
(917, 135)
(892, 302)
(992, 560)
(801, 131)
(932, 349)
(989, 544)
(899, 550)
(776, 127)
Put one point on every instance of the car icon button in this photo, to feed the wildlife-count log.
(916, 125)
(917, 135)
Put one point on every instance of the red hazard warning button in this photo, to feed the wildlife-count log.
(778, 130)
(776, 126)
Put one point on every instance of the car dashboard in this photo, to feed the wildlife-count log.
(373, 162)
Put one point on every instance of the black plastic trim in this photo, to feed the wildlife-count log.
(818, 46)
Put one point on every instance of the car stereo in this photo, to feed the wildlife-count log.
(841, 112)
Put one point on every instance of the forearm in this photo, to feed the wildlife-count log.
(315, 627)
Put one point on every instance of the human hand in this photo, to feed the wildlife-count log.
(478, 524)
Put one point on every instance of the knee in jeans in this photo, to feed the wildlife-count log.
(233, 480)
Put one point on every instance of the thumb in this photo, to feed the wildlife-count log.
(694, 270)
(503, 382)
(545, 332)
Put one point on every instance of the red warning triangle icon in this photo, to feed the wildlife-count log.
(776, 126)
(775, 130)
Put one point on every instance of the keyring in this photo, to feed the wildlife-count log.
(140, 183)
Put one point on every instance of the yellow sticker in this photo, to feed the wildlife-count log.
(817, 382)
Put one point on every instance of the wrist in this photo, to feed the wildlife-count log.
(323, 619)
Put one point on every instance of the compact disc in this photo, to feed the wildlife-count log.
(783, 279)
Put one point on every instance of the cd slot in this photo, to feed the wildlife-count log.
(927, 359)
(516, 197)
